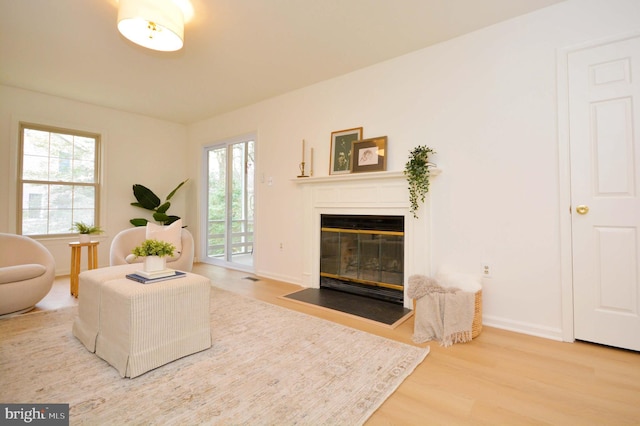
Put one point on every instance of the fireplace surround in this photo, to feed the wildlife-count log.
(376, 193)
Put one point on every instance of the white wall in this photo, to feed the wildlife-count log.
(487, 103)
(135, 149)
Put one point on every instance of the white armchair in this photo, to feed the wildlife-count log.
(27, 271)
(125, 241)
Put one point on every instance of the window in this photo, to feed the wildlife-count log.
(58, 180)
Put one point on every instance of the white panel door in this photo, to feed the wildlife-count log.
(604, 108)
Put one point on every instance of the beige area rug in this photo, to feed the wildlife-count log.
(268, 365)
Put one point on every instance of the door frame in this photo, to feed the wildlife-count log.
(564, 174)
(204, 199)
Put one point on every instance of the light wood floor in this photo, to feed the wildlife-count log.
(500, 378)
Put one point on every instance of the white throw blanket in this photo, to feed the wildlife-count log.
(443, 314)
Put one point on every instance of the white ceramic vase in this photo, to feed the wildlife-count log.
(154, 263)
(84, 238)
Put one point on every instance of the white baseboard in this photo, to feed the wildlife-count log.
(523, 327)
(277, 277)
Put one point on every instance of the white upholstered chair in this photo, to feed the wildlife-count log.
(27, 271)
(125, 241)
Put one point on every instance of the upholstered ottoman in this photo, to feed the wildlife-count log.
(143, 326)
(87, 324)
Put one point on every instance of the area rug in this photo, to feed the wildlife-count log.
(268, 365)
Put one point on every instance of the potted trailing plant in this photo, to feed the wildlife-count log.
(417, 172)
(146, 199)
(86, 231)
(154, 253)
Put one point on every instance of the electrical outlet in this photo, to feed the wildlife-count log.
(486, 270)
(281, 246)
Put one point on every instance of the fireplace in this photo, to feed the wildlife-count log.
(363, 254)
(362, 194)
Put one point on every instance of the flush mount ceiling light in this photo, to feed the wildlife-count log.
(154, 24)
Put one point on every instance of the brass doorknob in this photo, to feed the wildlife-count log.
(582, 209)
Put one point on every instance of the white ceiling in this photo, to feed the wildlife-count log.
(237, 52)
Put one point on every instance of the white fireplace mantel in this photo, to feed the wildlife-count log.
(354, 177)
(376, 193)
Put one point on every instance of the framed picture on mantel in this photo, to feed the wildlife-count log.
(369, 155)
(341, 142)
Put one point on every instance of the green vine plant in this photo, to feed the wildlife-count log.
(150, 201)
(417, 172)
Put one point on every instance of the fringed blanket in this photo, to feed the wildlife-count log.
(442, 314)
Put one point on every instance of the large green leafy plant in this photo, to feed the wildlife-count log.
(417, 172)
(150, 201)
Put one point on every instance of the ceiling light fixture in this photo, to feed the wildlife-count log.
(154, 24)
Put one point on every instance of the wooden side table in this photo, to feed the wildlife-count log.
(76, 255)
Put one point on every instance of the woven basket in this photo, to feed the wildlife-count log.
(476, 326)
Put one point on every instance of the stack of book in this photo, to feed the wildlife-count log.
(155, 276)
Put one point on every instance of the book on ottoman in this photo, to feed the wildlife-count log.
(144, 280)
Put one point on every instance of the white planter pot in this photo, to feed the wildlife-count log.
(84, 238)
(154, 263)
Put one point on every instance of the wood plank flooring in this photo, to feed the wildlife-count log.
(500, 378)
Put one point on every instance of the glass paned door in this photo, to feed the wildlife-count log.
(230, 204)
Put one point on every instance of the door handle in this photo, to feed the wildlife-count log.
(582, 209)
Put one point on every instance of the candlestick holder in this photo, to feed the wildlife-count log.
(301, 175)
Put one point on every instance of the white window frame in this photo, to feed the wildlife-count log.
(96, 184)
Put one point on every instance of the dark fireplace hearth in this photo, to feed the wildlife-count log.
(363, 254)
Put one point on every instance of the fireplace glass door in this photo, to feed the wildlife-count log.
(362, 260)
